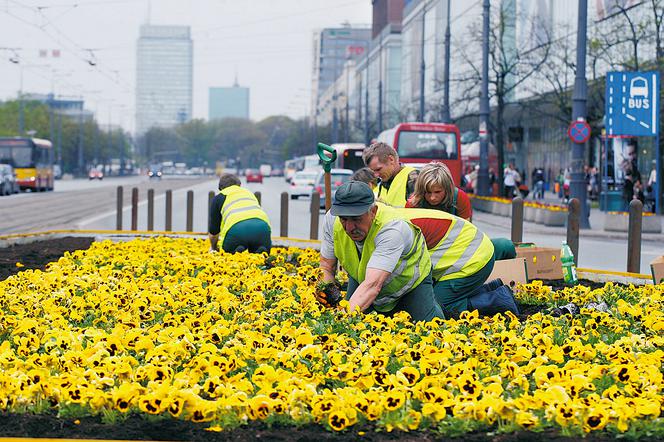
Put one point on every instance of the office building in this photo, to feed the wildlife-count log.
(228, 102)
(164, 77)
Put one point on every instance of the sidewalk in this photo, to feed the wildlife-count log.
(596, 224)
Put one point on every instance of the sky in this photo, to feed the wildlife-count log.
(267, 43)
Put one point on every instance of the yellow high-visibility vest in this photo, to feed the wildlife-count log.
(395, 196)
(409, 272)
(240, 205)
(463, 251)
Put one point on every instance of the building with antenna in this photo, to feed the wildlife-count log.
(164, 77)
(228, 102)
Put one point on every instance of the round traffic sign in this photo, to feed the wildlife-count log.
(579, 131)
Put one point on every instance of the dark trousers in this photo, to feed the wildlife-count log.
(251, 234)
(452, 294)
(419, 302)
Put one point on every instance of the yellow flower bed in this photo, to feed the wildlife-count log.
(526, 203)
(162, 327)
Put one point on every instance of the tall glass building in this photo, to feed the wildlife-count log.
(164, 76)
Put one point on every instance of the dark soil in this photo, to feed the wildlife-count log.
(37, 254)
(137, 428)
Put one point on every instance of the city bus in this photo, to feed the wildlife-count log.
(32, 159)
(420, 143)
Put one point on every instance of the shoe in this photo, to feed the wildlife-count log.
(490, 302)
(240, 249)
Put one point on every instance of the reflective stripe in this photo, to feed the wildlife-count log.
(231, 204)
(238, 210)
(420, 247)
(467, 254)
(443, 247)
(397, 271)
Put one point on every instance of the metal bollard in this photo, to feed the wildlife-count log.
(573, 217)
(283, 223)
(150, 209)
(258, 197)
(315, 215)
(168, 224)
(634, 236)
(134, 208)
(517, 219)
(210, 198)
(190, 211)
(118, 215)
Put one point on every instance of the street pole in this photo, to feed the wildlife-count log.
(367, 139)
(446, 71)
(422, 67)
(577, 178)
(483, 174)
(80, 143)
(21, 116)
(347, 110)
(380, 85)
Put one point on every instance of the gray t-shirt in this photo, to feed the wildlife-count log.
(392, 242)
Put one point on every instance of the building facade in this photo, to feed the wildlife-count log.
(164, 77)
(228, 102)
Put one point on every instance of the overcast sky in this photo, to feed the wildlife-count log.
(267, 42)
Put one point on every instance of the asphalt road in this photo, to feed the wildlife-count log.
(83, 204)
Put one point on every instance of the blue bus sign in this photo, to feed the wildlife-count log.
(632, 104)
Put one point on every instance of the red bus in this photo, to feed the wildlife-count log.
(349, 155)
(420, 143)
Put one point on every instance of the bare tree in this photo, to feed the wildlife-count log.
(510, 67)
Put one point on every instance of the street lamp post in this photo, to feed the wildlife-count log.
(422, 65)
(577, 180)
(446, 71)
(483, 174)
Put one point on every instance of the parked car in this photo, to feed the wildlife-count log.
(337, 178)
(253, 176)
(277, 172)
(95, 174)
(8, 183)
(302, 183)
(155, 172)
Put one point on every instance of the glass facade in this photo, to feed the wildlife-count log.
(164, 77)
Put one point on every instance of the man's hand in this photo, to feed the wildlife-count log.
(369, 289)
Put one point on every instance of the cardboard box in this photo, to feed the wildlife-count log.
(657, 269)
(541, 262)
(511, 271)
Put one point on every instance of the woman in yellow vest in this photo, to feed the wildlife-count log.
(396, 181)
(237, 220)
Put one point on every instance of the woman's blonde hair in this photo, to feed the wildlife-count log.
(431, 175)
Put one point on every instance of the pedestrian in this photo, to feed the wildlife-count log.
(396, 181)
(434, 189)
(509, 181)
(389, 268)
(236, 219)
(560, 181)
(538, 183)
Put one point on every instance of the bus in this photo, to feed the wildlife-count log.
(349, 156)
(420, 143)
(32, 159)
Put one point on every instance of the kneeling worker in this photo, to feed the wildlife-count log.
(237, 217)
(385, 256)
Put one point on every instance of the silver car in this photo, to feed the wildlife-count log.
(302, 183)
(8, 183)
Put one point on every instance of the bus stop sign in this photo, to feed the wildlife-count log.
(579, 132)
(632, 104)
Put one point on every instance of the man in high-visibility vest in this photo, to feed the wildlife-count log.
(397, 182)
(385, 256)
(237, 220)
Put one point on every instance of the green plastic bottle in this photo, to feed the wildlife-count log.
(567, 261)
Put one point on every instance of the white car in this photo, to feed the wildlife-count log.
(302, 183)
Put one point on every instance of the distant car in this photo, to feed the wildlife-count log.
(8, 183)
(95, 174)
(57, 172)
(302, 184)
(155, 172)
(337, 178)
(253, 176)
(277, 172)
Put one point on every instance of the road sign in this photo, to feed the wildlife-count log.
(632, 103)
(579, 132)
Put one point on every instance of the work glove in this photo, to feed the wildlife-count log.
(329, 294)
